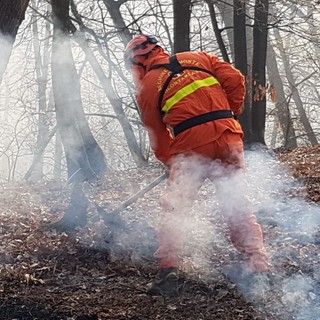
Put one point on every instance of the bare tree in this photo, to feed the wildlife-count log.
(106, 26)
(294, 90)
(106, 81)
(282, 106)
(115, 13)
(85, 159)
(35, 172)
(217, 31)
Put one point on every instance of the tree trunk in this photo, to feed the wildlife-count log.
(12, 14)
(115, 102)
(62, 21)
(241, 61)
(35, 172)
(107, 87)
(282, 106)
(217, 32)
(116, 16)
(260, 37)
(295, 93)
(227, 16)
(85, 159)
(181, 25)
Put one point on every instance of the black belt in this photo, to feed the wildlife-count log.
(202, 118)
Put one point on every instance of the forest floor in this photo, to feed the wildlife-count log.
(45, 274)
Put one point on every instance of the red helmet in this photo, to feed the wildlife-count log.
(139, 45)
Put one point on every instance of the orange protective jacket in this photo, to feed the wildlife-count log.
(228, 93)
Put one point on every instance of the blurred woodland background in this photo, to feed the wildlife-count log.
(67, 105)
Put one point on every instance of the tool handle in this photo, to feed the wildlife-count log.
(139, 194)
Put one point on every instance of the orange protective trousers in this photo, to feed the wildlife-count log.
(222, 161)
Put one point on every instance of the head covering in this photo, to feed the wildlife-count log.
(139, 46)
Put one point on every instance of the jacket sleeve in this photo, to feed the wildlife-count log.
(158, 133)
(232, 82)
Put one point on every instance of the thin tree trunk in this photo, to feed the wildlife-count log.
(217, 32)
(295, 93)
(31, 174)
(274, 133)
(282, 106)
(260, 37)
(227, 16)
(116, 16)
(35, 172)
(181, 25)
(115, 102)
(241, 60)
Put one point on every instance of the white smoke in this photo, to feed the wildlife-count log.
(289, 222)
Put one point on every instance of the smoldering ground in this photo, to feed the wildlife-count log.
(289, 292)
(290, 225)
(292, 238)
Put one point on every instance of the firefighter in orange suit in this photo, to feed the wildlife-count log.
(189, 103)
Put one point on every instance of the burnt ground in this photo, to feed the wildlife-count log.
(47, 274)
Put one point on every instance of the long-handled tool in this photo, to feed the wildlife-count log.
(113, 218)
